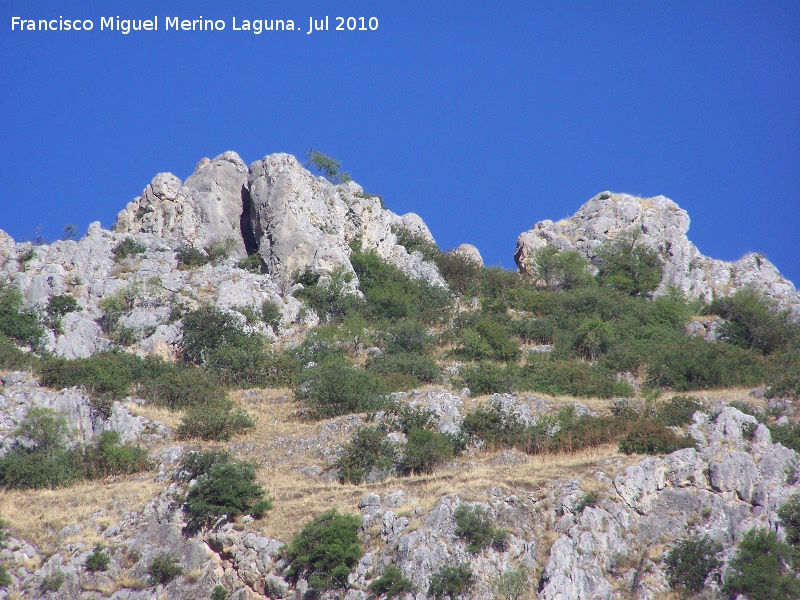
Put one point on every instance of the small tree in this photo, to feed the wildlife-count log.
(559, 270)
(328, 165)
(626, 265)
(163, 569)
(366, 450)
(451, 582)
(225, 492)
(761, 568)
(325, 551)
(690, 562)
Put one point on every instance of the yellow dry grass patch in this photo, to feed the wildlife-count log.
(38, 515)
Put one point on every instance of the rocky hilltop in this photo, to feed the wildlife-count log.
(662, 225)
(567, 517)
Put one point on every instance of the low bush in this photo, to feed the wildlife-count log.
(252, 263)
(406, 370)
(475, 527)
(325, 550)
(678, 410)
(490, 378)
(332, 299)
(451, 582)
(209, 328)
(57, 306)
(163, 569)
(690, 562)
(182, 388)
(250, 364)
(761, 568)
(335, 388)
(460, 273)
(626, 265)
(488, 340)
(590, 498)
(652, 438)
(98, 560)
(416, 242)
(425, 450)
(513, 585)
(414, 417)
(789, 515)
(368, 449)
(194, 463)
(271, 314)
(787, 434)
(391, 583)
(217, 421)
(496, 427)
(52, 582)
(189, 258)
(127, 248)
(107, 456)
(224, 492)
(563, 377)
(15, 322)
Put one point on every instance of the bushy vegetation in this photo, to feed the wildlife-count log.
(44, 460)
(555, 269)
(425, 450)
(690, 562)
(223, 491)
(628, 266)
(325, 550)
(475, 527)
(761, 569)
(391, 583)
(216, 421)
(16, 322)
(163, 569)
(190, 258)
(98, 560)
(451, 581)
(513, 585)
(127, 248)
(368, 449)
(335, 388)
(327, 165)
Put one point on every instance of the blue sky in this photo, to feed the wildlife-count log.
(483, 117)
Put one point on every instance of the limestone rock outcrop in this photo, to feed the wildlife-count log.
(277, 208)
(662, 226)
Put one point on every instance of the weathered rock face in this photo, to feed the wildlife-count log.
(205, 210)
(662, 225)
(278, 208)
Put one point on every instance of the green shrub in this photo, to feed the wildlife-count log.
(52, 583)
(787, 434)
(559, 270)
(368, 449)
(461, 274)
(271, 314)
(332, 298)
(409, 370)
(98, 560)
(678, 410)
(475, 527)
(327, 165)
(189, 258)
(652, 438)
(562, 377)
(58, 306)
(220, 249)
(163, 569)
(12, 358)
(391, 583)
(325, 551)
(761, 568)
(335, 388)
(209, 328)
(218, 421)
(789, 515)
(114, 307)
(109, 457)
(690, 562)
(425, 450)
(252, 263)
(489, 378)
(5, 577)
(251, 365)
(194, 464)
(408, 336)
(513, 585)
(226, 491)
(451, 582)
(219, 593)
(178, 389)
(127, 248)
(416, 242)
(590, 498)
(496, 427)
(628, 266)
(15, 322)
(752, 321)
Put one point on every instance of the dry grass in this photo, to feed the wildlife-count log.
(38, 515)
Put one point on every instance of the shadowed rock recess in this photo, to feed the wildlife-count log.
(499, 493)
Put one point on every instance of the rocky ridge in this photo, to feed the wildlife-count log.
(661, 225)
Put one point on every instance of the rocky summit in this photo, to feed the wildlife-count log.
(262, 383)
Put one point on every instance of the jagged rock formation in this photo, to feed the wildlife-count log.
(277, 208)
(662, 225)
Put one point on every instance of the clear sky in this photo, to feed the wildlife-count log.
(482, 117)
